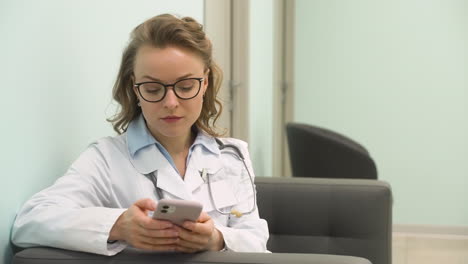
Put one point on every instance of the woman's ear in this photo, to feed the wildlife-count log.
(206, 81)
(132, 83)
(135, 90)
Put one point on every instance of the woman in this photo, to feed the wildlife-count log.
(166, 148)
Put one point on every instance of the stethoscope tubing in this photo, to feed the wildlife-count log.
(234, 212)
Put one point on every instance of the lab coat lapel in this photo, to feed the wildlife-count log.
(170, 181)
(201, 160)
(149, 160)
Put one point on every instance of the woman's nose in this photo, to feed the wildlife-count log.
(171, 100)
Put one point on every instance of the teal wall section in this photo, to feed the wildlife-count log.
(58, 63)
(393, 75)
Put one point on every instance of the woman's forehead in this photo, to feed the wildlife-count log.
(169, 62)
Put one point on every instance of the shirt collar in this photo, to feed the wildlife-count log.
(207, 142)
(139, 137)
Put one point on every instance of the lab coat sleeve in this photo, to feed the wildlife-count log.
(72, 213)
(248, 233)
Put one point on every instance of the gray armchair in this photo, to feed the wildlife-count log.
(328, 216)
(318, 221)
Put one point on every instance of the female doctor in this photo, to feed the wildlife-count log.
(166, 148)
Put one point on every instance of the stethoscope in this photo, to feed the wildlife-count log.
(154, 178)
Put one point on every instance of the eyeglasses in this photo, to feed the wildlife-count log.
(184, 89)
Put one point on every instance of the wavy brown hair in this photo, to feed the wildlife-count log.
(162, 31)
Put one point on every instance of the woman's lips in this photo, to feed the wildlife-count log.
(171, 119)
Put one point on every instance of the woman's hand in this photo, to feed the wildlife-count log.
(199, 236)
(140, 231)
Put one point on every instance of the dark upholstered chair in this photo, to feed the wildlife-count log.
(322, 153)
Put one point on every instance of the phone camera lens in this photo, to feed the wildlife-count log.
(163, 211)
(166, 207)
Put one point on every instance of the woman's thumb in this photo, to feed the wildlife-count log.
(146, 204)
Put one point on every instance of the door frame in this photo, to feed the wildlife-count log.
(227, 26)
(288, 54)
(227, 23)
(217, 26)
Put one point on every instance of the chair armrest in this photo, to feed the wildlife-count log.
(52, 256)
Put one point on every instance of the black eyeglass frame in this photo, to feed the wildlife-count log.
(200, 80)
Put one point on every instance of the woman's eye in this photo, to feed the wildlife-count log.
(152, 89)
(186, 87)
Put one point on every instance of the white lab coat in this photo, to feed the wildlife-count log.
(78, 211)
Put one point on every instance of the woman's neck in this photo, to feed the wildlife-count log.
(178, 148)
(176, 145)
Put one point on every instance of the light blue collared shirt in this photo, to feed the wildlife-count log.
(139, 137)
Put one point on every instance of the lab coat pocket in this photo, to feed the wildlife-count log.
(218, 195)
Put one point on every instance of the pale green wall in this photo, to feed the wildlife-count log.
(58, 63)
(393, 76)
(260, 85)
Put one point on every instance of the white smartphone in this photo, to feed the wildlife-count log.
(177, 211)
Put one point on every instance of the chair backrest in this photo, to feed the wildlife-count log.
(350, 217)
(322, 153)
